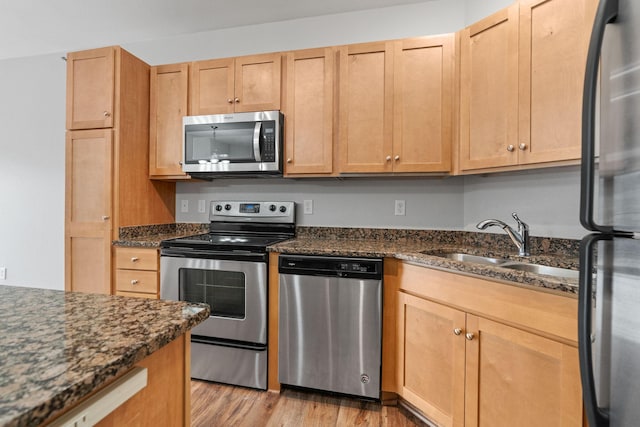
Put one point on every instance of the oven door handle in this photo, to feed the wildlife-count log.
(256, 141)
(226, 343)
(222, 255)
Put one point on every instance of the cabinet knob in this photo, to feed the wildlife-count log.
(134, 259)
(107, 114)
(522, 146)
(469, 336)
(510, 147)
(457, 331)
(396, 158)
(180, 162)
(229, 100)
(134, 282)
(237, 100)
(105, 217)
(388, 158)
(289, 160)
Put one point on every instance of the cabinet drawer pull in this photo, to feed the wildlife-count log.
(457, 331)
(469, 336)
(289, 160)
(134, 282)
(107, 114)
(135, 259)
(105, 217)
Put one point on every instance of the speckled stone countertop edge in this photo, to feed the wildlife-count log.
(33, 391)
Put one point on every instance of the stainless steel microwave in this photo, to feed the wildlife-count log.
(237, 144)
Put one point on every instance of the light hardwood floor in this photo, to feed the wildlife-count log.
(222, 405)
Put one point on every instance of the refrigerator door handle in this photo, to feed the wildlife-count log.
(607, 13)
(597, 416)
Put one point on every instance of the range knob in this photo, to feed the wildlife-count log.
(227, 207)
(272, 208)
(218, 208)
(283, 209)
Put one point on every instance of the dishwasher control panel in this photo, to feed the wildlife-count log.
(363, 268)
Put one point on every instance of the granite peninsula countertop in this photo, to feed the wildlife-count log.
(57, 347)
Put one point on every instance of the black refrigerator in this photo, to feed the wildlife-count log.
(609, 298)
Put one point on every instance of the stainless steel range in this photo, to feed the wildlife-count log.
(227, 268)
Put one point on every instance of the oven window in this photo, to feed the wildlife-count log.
(224, 291)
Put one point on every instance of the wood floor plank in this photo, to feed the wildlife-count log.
(223, 405)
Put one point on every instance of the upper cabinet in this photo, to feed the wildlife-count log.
(249, 83)
(489, 91)
(396, 101)
(90, 93)
(554, 37)
(521, 76)
(423, 104)
(168, 104)
(366, 108)
(309, 110)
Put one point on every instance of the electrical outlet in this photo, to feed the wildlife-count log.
(308, 207)
(400, 208)
(201, 206)
(3, 273)
(184, 206)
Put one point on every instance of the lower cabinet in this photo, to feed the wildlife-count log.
(137, 272)
(465, 367)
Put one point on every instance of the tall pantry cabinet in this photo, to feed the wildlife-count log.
(107, 157)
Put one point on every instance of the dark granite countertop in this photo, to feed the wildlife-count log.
(409, 245)
(57, 347)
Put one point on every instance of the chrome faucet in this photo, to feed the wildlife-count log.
(520, 237)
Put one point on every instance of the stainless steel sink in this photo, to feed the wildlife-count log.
(476, 259)
(507, 263)
(542, 269)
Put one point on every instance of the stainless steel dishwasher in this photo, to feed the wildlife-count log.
(330, 324)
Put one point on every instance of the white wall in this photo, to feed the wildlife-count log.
(547, 199)
(433, 203)
(32, 117)
(432, 17)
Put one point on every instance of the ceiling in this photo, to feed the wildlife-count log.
(34, 27)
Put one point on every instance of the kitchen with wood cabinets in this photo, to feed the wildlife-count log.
(501, 95)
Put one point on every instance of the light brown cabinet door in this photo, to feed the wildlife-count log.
(212, 90)
(248, 83)
(366, 108)
(168, 104)
(554, 36)
(516, 378)
(431, 358)
(423, 102)
(258, 82)
(90, 88)
(88, 205)
(489, 91)
(309, 110)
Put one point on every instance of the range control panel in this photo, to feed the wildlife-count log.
(233, 210)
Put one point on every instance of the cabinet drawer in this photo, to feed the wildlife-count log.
(137, 259)
(136, 295)
(137, 281)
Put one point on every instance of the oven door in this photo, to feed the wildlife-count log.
(236, 291)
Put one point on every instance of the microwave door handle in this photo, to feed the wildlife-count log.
(256, 141)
